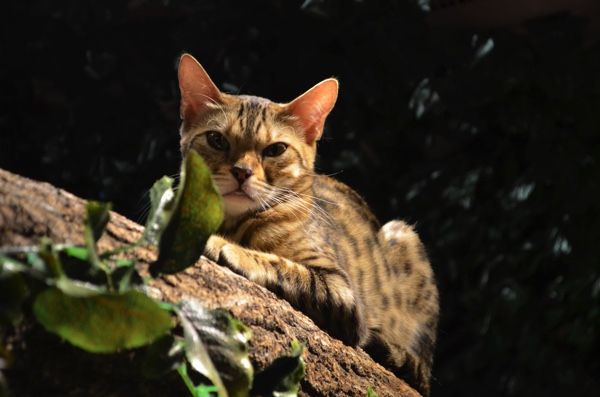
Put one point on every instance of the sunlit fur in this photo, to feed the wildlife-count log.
(307, 237)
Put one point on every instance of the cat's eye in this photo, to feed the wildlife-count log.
(217, 140)
(275, 150)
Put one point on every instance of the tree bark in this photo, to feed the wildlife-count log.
(46, 365)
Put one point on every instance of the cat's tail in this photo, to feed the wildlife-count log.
(410, 340)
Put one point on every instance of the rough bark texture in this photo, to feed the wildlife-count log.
(45, 365)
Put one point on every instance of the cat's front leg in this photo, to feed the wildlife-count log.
(319, 288)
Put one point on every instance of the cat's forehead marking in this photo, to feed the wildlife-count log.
(252, 114)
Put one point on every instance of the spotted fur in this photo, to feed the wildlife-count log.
(307, 237)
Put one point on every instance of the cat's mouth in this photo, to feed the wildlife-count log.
(238, 202)
(237, 193)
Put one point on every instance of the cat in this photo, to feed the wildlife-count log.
(309, 238)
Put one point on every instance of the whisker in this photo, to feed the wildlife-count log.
(332, 174)
(143, 214)
(315, 198)
(297, 203)
(287, 190)
(215, 103)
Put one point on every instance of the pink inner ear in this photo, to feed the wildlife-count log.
(312, 108)
(198, 91)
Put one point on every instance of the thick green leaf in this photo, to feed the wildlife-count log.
(226, 340)
(102, 323)
(97, 215)
(371, 392)
(12, 294)
(164, 355)
(198, 212)
(282, 377)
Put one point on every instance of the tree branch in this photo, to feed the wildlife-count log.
(44, 364)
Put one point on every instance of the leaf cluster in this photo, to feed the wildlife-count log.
(96, 300)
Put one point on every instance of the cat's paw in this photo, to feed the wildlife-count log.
(224, 253)
(213, 247)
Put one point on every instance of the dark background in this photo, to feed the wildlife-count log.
(487, 141)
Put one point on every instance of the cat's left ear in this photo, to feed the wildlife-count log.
(312, 108)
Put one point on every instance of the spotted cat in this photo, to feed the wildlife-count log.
(309, 238)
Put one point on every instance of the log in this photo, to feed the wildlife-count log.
(46, 365)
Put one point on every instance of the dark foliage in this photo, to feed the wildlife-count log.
(489, 143)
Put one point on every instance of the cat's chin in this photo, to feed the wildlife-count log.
(238, 203)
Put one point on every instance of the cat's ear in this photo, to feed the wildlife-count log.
(198, 92)
(312, 107)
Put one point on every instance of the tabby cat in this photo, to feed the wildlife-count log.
(307, 237)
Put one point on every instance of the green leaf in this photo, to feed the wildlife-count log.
(197, 355)
(200, 390)
(103, 323)
(80, 253)
(96, 218)
(79, 289)
(205, 390)
(196, 214)
(124, 277)
(76, 266)
(11, 265)
(12, 294)
(36, 262)
(282, 377)
(164, 355)
(125, 263)
(162, 203)
(371, 392)
(226, 340)
(49, 258)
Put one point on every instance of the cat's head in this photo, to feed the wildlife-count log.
(258, 151)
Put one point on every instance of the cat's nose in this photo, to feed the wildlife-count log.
(241, 173)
